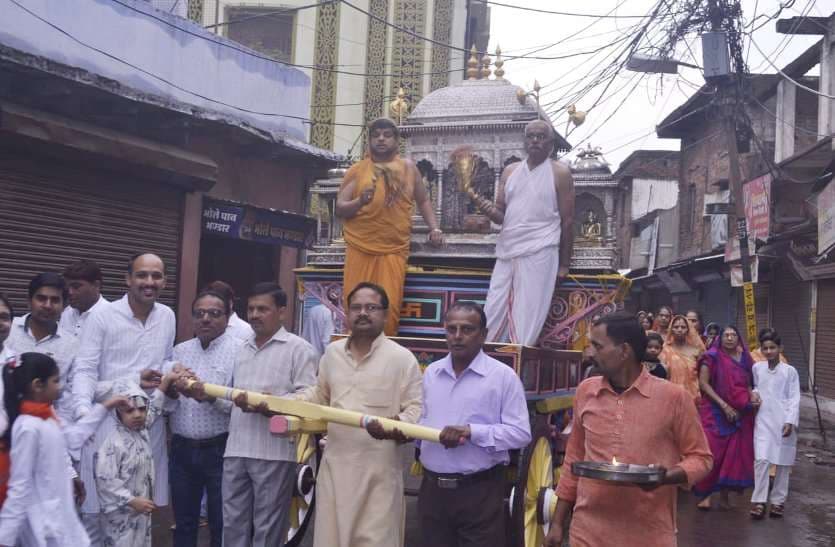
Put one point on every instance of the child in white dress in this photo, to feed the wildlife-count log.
(124, 467)
(40, 508)
(775, 429)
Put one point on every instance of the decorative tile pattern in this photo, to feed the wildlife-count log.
(408, 52)
(375, 63)
(442, 32)
(195, 11)
(325, 55)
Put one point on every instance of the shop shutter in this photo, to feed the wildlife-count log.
(790, 307)
(825, 339)
(52, 214)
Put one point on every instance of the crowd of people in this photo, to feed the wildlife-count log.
(105, 419)
(747, 402)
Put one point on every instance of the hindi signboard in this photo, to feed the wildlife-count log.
(757, 196)
(240, 221)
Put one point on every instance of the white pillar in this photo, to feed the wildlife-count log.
(785, 123)
(826, 107)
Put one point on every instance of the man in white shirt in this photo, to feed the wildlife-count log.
(320, 323)
(83, 278)
(129, 339)
(236, 326)
(200, 424)
(259, 469)
(38, 331)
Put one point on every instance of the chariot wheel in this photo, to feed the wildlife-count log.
(308, 456)
(533, 499)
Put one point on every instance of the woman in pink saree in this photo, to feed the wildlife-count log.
(727, 409)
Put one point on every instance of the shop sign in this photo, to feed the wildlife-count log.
(239, 221)
(757, 197)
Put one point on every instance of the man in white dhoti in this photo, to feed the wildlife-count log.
(775, 429)
(359, 489)
(130, 339)
(535, 206)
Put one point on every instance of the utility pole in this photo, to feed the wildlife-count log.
(727, 94)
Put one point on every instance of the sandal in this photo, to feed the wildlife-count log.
(757, 511)
(776, 511)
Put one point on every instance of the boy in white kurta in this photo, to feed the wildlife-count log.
(124, 469)
(775, 429)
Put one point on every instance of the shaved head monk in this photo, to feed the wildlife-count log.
(377, 198)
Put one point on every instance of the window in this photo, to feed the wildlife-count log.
(262, 29)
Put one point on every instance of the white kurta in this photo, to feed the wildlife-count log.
(359, 489)
(527, 257)
(319, 326)
(40, 509)
(115, 345)
(780, 393)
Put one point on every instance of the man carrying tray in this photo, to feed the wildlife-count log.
(635, 418)
(359, 488)
(461, 501)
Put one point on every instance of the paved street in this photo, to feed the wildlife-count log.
(809, 520)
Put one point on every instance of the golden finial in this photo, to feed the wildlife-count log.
(399, 108)
(472, 64)
(485, 67)
(499, 72)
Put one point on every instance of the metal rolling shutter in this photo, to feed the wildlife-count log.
(790, 308)
(52, 215)
(825, 338)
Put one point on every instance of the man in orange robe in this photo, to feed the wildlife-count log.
(377, 199)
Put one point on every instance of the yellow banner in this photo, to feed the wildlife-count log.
(750, 315)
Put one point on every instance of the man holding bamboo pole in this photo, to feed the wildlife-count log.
(259, 468)
(359, 488)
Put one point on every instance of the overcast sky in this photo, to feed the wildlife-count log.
(631, 126)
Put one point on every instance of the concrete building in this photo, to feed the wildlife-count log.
(363, 51)
(125, 129)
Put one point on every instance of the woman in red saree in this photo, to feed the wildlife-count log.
(727, 409)
(682, 350)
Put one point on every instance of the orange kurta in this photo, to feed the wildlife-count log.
(652, 422)
(377, 237)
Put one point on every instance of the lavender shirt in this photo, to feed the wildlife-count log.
(487, 396)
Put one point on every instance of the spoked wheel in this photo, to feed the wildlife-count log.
(533, 500)
(308, 455)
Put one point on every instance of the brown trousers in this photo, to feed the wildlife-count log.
(472, 515)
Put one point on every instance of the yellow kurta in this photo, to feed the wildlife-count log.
(377, 237)
(359, 489)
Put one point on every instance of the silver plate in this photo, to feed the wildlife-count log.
(623, 473)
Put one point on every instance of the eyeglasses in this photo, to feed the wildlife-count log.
(369, 308)
(214, 314)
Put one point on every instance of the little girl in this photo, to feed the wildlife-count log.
(40, 508)
(124, 467)
(775, 430)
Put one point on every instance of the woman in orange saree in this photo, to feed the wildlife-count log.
(682, 349)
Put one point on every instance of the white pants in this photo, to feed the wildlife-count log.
(520, 295)
(781, 483)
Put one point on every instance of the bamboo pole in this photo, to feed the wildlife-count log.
(310, 411)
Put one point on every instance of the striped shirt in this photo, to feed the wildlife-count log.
(114, 344)
(59, 346)
(214, 365)
(284, 364)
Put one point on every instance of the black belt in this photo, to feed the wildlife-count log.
(457, 480)
(201, 443)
